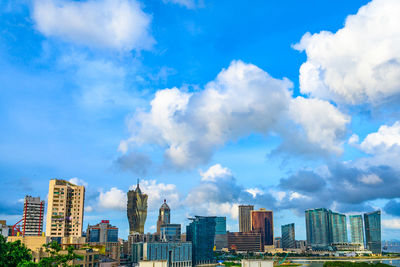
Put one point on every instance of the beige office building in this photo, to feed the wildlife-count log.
(245, 218)
(65, 209)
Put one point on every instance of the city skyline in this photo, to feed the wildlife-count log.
(283, 105)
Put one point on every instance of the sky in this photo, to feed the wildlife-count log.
(284, 104)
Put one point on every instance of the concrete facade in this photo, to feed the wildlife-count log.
(65, 209)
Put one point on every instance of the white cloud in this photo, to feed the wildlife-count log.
(391, 224)
(88, 209)
(360, 63)
(113, 199)
(354, 139)
(386, 138)
(370, 179)
(242, 100)
(157, 192)
(214, 172)
(115, 24)
(78, 181)
(190, 4)
(324, 130)
(254, 191)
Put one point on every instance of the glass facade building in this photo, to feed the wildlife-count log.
(164, 216)
(170, 232)
(102, 232)
(288, 239)
(201, 232)
(175, 253)
(337, 228)
(221, 239)
(262, 222)
(357, 229)
(317, 227)
(372, 222)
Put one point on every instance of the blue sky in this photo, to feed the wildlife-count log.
(286, 105)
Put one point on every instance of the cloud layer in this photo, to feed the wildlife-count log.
(114, 24)
(360, 63)
(242, 100)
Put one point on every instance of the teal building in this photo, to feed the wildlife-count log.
(288, 239)
(317, 227)
(337, 227)
(372, 222)
(201, 232)
(356, 229)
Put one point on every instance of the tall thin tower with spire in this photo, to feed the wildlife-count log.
(164, 216)
(136, 210)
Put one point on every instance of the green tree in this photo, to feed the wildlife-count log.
(13, 254)
(56, 258)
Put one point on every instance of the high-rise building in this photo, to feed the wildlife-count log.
(221, 240)
(244, 242)
(65, 209)
(337, 228)
(136, 210)
(372, 222)
(170, 232)
(164, 216)
(201, 232)
(33, 214)
(262, 222)
(288, 236)
(102, 232)
(245, 218)
(317, 227)
(357, 229)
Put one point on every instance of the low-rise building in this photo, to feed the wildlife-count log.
(244, 241)
(175, 253)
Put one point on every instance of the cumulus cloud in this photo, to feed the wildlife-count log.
(222, 195)
(114, 24)
(360, 63)
(113, 199)
(348, 187)
(392, 207)
(391, 224)
(386, 139)
(135, 162)
(242, 100)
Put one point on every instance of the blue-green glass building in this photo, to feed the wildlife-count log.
(356, 229)
(220, 225)
(372, 222)
(201, 232)
(288, 236)
(337, 228)
(317, 227)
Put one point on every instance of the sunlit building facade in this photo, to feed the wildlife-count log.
(136, 210)
(245, 218)
(357, 229)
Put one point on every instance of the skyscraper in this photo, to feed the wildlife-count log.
(245, 218)
(317, 227)
(201, 231)
(33, 214)
(136, 210)
(170, 232)
(65, 209)
(262, 222)
(288, 236)
(372, 222)
(337, 228)
(357, 229)
(164, 216)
